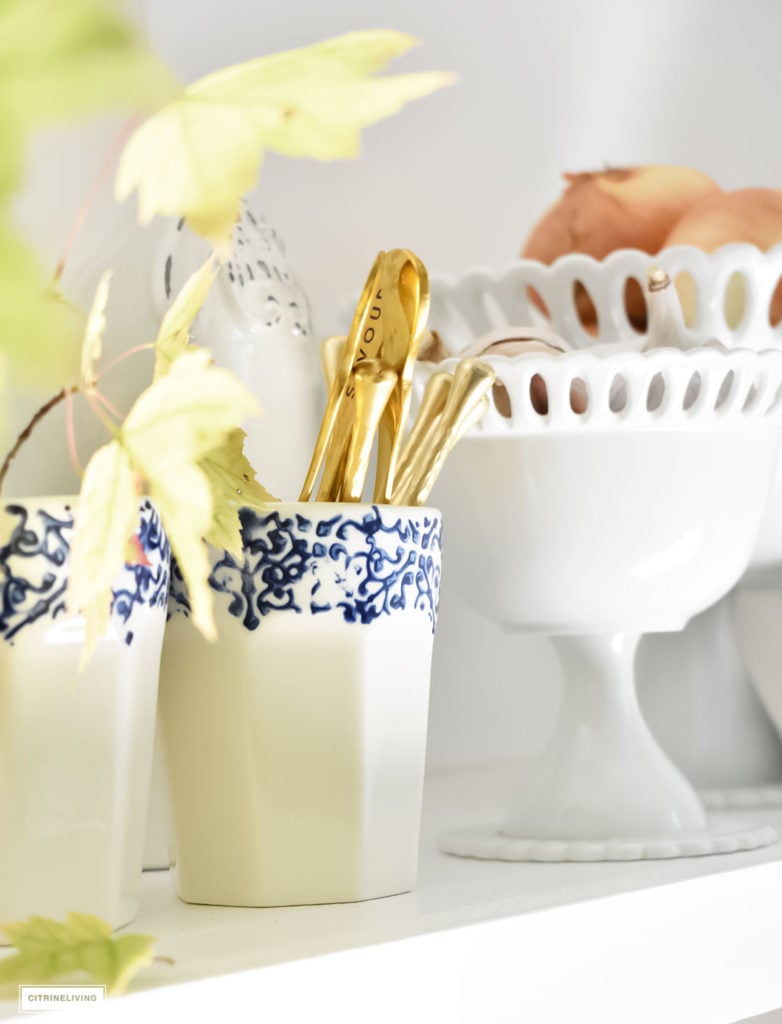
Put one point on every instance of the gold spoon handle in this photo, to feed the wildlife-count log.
(373, 382)
(432, 404)
(337, 448)
(473, 414)
(400, 352)
(396, 344)
(366, 310)
(472, 380)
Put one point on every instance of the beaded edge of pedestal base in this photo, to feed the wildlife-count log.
(724, 835)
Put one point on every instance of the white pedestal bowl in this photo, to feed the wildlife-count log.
(596, 527)
(696, 687)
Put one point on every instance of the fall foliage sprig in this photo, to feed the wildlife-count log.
(181, 442)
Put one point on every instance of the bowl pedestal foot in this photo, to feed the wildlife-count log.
(603, 789)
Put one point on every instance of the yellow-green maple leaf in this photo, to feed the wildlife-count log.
(92, 346)
(174, 334)
(183, 498)
(59, 59)
(186, 414)
(63, 60)
(201, 153)
(39, 332)
(232, 480)
(107, 517)
(50, 950)
(234, 485)
(178, 421)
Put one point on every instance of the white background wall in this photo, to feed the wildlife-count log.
(459, 178)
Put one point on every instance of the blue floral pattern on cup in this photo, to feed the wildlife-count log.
(360, 568)
(34, 569)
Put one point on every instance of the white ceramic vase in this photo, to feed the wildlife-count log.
(75, 748)
(256, 321)
(295, 745)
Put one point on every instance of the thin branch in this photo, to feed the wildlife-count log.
(74, 453)
(25, 434)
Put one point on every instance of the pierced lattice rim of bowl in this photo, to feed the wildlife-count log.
(662, 389)
(466, 306)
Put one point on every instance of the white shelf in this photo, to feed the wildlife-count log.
(686, 940)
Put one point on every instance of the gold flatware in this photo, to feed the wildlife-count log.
(384, 318)
(472, 381)
(373, 383)
(337, 448)
(400, 348)
(472, 414)
(362, 328)
(432, 404)
(388, 325)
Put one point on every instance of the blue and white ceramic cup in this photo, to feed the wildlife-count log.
(295, 744)
(75, 748)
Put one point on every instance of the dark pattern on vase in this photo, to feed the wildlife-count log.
(257, 275)
(34, 569)
(24, 600)
(359, 568)
(145, 585)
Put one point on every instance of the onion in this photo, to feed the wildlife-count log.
(751, 215)
(621, 208)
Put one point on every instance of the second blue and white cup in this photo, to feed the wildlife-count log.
(295, 744)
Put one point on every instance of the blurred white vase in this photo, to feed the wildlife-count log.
(256, 321)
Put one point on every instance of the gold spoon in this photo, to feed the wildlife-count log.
(432, 404)
(386, 318)
(472, 413)
(472, 381)
(381, 315)
(366, 311)
(373, 382)
(400, 348)
(331, 350)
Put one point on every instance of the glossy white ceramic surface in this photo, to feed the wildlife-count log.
(695, 691)
(758, 618)
(465, 308)
(609, 520)
(605, 774)
(629, 516)
(726, 295)
(295, 745)
(75, 747)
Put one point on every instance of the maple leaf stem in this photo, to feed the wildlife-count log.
(147, 346)
(105, 403)
(74, 453)
(98, 410)
(45, 409)
(102, 176)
